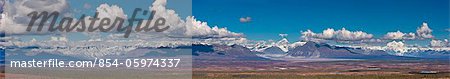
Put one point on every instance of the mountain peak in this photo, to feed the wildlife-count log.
(283, 44)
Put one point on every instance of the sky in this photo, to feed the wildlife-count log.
(183, 7)
(264, 19)
(272, 17)
(76, 8)
(367, 23)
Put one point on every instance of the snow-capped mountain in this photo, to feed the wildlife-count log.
(283, 44)
(322, 50)
(282, 48)
(399, 48)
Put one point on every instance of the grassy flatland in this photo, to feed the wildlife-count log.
(293, 75)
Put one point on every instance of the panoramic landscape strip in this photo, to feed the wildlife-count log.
(224, 39)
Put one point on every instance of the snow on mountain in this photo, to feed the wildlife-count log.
(283, 44)
(398, 47)
(259, 46)
(296, 44)
(439, 43)
(102, 48)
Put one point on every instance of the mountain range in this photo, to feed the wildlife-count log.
(309, 50)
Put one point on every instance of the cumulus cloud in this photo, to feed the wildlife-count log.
(196, 28)
(394, 35)
(439, 43)
(424, 31)
(349, 35)
(399, 35)
(245, 19)
(189, 27)
(15, 19)
(2, 3)
(341, 35)
(177, 25)
(107, 11)
(398, 47)
(110, 11)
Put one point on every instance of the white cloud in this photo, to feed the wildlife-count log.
(399, 35)
(410, 36)
(424, 31)
(1, 13)
(394, 35)
(15, 19)
(341, 35)
(108, 11)
(196, 28)
(398, 47)
(308, 33)
(349, 35)
(189, 27)
(328, 33)
(439, 43)
(245, 19)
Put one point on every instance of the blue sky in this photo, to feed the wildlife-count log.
(88, 7)
(271, 17)
(183, 7)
